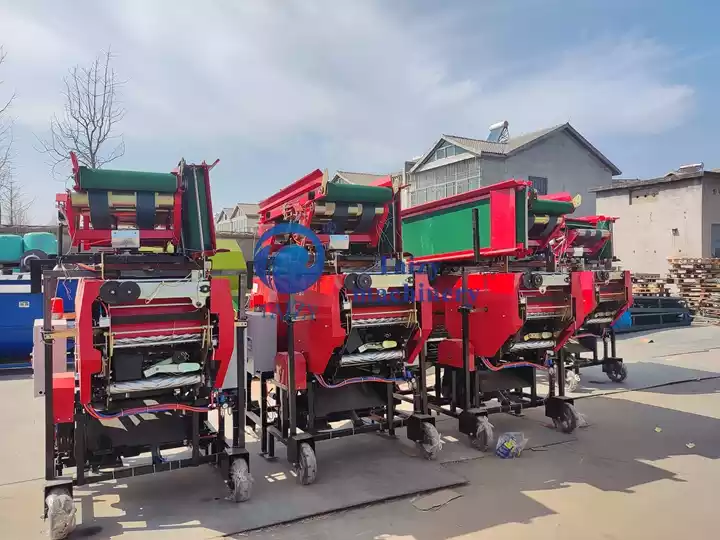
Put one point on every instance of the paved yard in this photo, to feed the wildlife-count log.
(646, 467)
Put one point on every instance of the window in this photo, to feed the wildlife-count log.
(715, 240)
(540, 183)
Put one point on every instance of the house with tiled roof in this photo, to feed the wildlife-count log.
(554, 159)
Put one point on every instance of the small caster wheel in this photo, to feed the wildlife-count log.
(617, 372)
(483, 436)
(568, 421)
(240, 481)
(572, 381)
(431, 444)
(307, 467)
(60, 513)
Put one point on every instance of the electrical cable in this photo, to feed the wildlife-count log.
(147, 409)
(356, 380)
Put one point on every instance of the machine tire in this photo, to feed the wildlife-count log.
(240, 481)
(483, 436)
(431, 443)
(60, 513)
(569, 419)
(617, 372)
(307, 466)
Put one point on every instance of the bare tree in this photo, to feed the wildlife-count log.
(5, 133)
(92, 111)
(14, 205)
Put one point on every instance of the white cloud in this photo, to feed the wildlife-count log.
(370, 83)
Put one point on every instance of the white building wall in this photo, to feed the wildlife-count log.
(654, 223)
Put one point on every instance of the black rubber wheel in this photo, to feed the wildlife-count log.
(568, 421)
(240, 481)
(617, 372)
(307, 466)
(431, 444)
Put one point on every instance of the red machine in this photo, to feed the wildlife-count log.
(335, 321)
(586, 244)
(155, 335)
(501, 311)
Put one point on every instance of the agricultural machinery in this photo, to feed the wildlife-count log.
(155, 337)
(334, 322)
(586, 244)
(502, 310)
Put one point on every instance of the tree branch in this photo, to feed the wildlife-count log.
(90, 116)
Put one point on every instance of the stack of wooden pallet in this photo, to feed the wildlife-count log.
(649, 285)
(698, 281)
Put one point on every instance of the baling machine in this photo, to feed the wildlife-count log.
(155, 336)
(334, 321)
(586, 244)
(501, 310)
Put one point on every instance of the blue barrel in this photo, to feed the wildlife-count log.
(11, 248)
(18, 311)
(43, 241)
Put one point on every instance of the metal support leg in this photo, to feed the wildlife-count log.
(613, 351)
(292, 391)
(80, 425)
(560, 368)
(391, 408)
(422, 405)
(49, 285)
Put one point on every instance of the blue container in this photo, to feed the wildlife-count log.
(43, 241)
(19, 309)
(11, 248)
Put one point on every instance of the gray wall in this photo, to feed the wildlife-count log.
(654, 223)
(566, 164)
(710, 212)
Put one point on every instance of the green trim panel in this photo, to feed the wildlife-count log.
(104, 179)
(521, 220)
(446, 231)
(551, 208)
(353, 193)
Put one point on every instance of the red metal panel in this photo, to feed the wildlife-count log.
(63, 397)
(221, 306)
(503, 232)
(272, 207)
(495, 318)
(319, 335)
(88, 358)
(282, 371)
(419, 338)
(585, 299)
(450, 354)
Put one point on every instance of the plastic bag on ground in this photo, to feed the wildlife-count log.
(510, 445)
(61, 514)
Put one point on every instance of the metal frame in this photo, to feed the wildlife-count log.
(217, 451)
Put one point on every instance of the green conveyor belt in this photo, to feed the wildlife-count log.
(104, 179)
(195, 197)
(353, 193)
(551, 208)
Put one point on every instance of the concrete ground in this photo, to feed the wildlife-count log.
(646, 466)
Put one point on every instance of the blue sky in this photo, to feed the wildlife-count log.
(276, 89)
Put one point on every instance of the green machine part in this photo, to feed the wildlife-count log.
(111, 180)
(229, 264)
(353, 193)
(450, 229)
(196, 219)
(546, 207)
